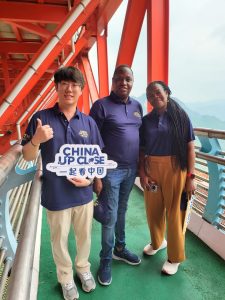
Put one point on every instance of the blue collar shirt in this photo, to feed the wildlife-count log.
(156, 137)
(119, 124)
(57, 192)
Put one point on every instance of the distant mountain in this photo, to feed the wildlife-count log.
(196, 113)
(214, 108)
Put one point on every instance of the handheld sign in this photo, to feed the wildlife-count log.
(81, 161)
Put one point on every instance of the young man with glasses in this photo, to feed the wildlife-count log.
(67, 201)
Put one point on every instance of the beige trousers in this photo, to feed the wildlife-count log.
(164, 205)
(80, 217)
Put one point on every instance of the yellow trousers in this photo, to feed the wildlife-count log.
(164, 205)
(80, 217)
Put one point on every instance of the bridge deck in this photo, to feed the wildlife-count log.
(201, 276)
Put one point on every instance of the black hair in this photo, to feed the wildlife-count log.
(180, 127)
(69, 74)
(162, 83)
(121, 67)
(179, 122)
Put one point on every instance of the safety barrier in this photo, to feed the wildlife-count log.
(16, 184)
(210, 166)
(208, 215)
(16, 177)
(23, 262)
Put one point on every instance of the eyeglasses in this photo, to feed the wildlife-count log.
(65, 85)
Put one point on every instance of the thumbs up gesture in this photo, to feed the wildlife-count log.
(39, 122)
(43, 133)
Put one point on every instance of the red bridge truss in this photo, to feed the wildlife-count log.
(38, 36)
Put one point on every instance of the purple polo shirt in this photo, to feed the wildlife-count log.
(57, 192)
(155, 135)
(119, 125)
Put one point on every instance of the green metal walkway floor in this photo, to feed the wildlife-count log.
(201, 276)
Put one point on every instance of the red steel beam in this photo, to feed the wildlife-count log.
(105, 13)
(16, 32)
(131, 31)
(51, 102)
(18, 37)
(32, 28)
(20, 47)
(83, 101)
(79, 46)
(90, 78)
(20, 64)
(85, 96)
(158, 20)
(49, 57)
(5, 71)
(35, 106)
(31, 12)
(103, 77)
(158, 39)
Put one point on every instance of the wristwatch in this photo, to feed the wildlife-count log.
(191, 175)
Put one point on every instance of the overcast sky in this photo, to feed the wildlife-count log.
(197, 50)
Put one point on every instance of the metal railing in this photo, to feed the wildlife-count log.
(16, 177)
(209, 204)
(23, 262)
(210, 166)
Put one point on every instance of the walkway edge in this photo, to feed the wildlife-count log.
(210, 235)
(36, 261)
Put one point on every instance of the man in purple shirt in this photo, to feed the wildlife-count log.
(118, 118)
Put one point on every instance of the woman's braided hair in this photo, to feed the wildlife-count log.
(179, 122)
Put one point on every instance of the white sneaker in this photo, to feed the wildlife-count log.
(70, 291)
(148, 249)
(87, 280)
(170, 268)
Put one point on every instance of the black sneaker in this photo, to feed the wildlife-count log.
(126, 256)
(104, 273)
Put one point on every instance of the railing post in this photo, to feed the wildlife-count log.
(216, 183)
(11, 176)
